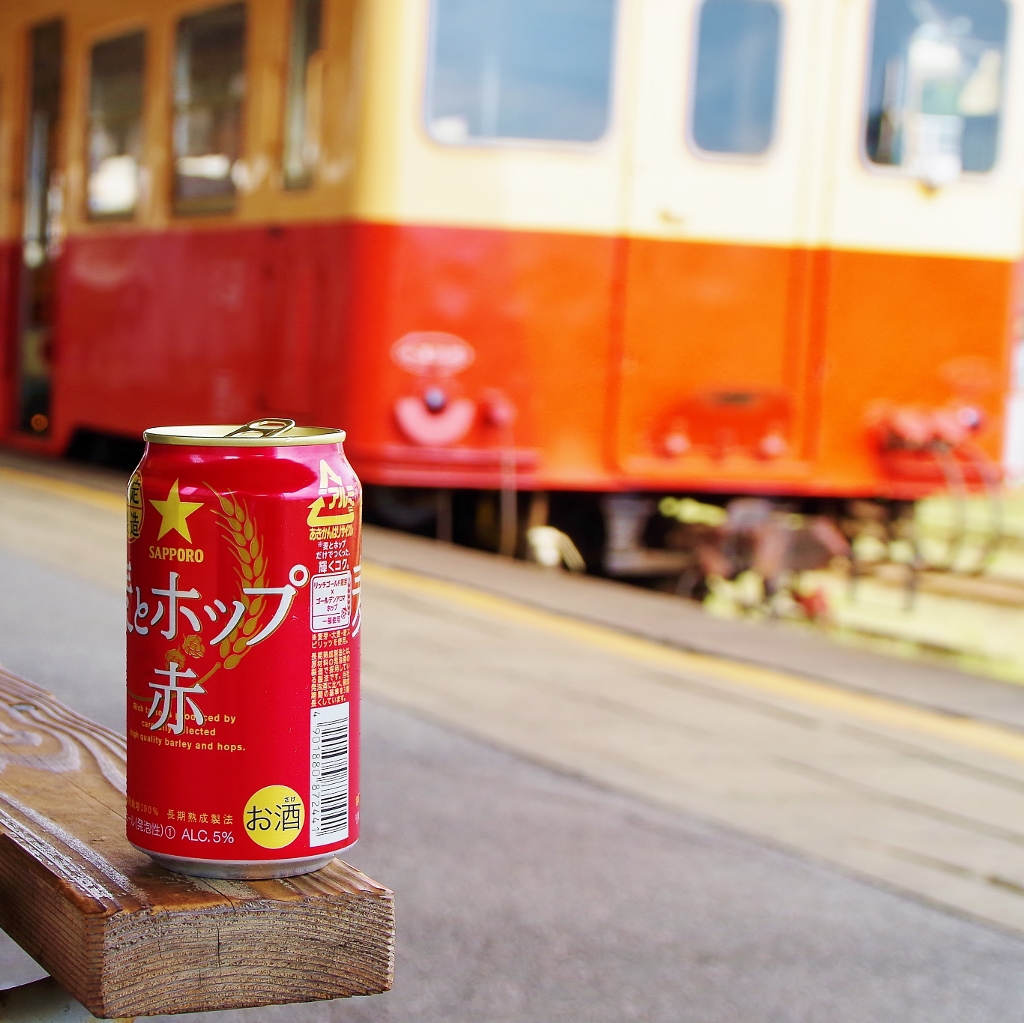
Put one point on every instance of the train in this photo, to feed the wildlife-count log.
(557, 258)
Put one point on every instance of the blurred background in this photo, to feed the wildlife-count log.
(698, 323)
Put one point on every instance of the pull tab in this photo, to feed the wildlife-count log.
(264, 428)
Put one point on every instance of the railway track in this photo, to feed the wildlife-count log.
(1002, 591)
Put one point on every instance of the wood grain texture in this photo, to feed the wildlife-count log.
(128, 938)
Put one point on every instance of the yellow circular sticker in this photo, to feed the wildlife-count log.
(274, 816)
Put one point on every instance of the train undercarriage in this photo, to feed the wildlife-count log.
(684, 543)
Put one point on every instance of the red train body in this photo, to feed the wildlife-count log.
(810, 301)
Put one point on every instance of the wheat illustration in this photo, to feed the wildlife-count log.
(249, 549)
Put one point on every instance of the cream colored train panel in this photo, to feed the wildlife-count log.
(413, 172)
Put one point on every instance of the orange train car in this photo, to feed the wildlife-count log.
(570, 246)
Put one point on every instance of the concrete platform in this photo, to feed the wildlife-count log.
(653, 814)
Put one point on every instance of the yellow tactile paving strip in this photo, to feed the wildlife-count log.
(62, 488)
(979, 735)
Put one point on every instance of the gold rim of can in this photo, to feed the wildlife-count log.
(259, 433)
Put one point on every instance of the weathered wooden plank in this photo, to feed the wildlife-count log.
(128, 938)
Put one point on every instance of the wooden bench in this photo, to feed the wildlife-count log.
(127, 938)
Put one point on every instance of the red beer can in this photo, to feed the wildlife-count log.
(243, 649)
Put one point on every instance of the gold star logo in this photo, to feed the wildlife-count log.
(174, 511)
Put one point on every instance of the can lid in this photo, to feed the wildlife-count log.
(260, 433)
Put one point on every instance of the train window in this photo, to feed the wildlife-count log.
(303, 95)
(209, 86)
(115, 126)
(736, 77)
(520, 69)
(935, 91)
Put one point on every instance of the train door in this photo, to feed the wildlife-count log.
(41, 188)
(294, 268)
(713, 370)
(924, 212)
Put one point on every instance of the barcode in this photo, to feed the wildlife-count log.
(328, 774)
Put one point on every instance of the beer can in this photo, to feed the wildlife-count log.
(243, 649)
